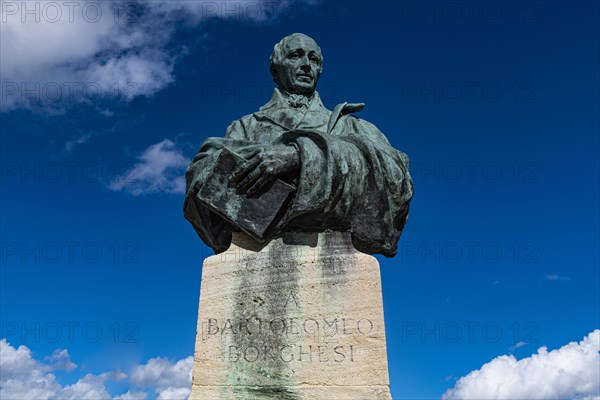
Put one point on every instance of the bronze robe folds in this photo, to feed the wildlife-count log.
(350, 178)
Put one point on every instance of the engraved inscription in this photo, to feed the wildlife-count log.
(319, 339)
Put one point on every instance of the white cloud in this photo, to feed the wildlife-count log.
(90, 387)
(60, 359)
(132, 396)
(174, 394)
(50, 62)
(25, 378)
(170, 381)
(76, 142)
(161, 168)
(517, 345)
(57, 54)
(554, 277)
(570, 372)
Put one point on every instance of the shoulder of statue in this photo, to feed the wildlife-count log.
(349, 108)
(237, 123)
(276, 99)
(246, 118)
(341, 112)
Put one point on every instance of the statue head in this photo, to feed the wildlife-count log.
(296, 64)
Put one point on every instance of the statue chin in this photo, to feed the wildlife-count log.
(301, 90)
(306, 90)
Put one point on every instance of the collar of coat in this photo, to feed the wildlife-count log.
(315, 116)
(279, 111)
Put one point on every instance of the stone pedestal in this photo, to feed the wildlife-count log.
(299, 319)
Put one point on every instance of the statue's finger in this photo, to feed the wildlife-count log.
(269, 172)
(248, 153)
(243, 169)
(264, 180)
(249, 180)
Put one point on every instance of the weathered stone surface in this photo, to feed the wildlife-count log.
(299, 319)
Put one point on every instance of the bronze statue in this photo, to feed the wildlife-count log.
(295, 166)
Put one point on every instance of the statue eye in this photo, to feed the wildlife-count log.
(293, 56)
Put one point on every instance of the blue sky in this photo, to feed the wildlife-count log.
(496, 104)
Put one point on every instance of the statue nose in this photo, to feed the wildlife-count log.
(305, 66)
(305, 62)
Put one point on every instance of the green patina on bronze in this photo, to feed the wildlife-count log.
(295, 166)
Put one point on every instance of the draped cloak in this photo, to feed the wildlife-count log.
(350, 177)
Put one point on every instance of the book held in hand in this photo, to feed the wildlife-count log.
(256, 216)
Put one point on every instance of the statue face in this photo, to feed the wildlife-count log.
(301, 66)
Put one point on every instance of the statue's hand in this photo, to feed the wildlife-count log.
(263, 166)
